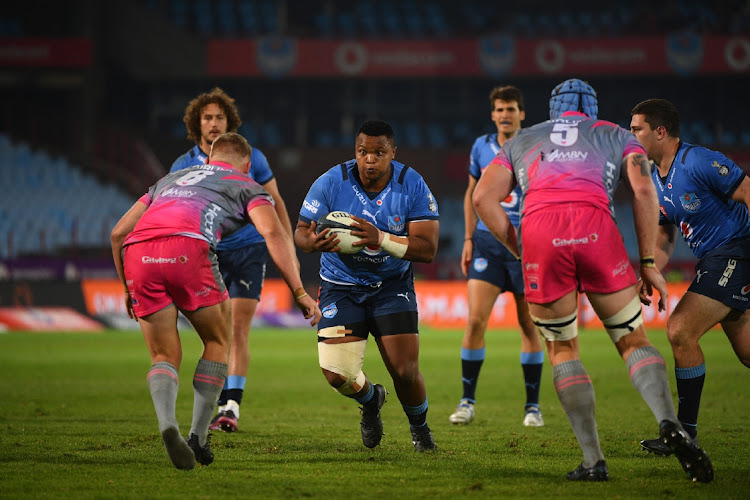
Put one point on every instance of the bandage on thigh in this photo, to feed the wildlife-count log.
(628, 319)
(565, 328)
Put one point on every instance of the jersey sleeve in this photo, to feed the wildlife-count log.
(475, 169)
(716, 171)
(423, 203)
(317, 202)
(502, 158)
(260, 170)
(181, 163)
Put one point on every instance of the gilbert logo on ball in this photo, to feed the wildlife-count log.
(340, 224)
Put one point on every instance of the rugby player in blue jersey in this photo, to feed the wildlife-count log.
(705, 196)
(372, 291)
(491, 270)
(242, 255)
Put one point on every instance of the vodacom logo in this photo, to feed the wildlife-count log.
(549, 56)
(737, 54)
(351, 58)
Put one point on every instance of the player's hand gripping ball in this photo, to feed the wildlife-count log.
(340, 224)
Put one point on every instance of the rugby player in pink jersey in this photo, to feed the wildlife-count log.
(568, 169)
(164, 251)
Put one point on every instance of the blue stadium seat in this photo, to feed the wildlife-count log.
(436, 136)
(412, 135)
(324, 25)
(271, 136)
(269, 17)
(179, 13)
(346, 25)
(227, 18)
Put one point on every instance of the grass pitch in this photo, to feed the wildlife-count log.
(77, 421)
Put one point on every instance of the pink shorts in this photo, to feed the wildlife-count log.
(572, 247)
(173, 269)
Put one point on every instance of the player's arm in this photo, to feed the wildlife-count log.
(646, 218)
(117, 238)
(281, 250)
(742, 193)
(666, 240)
(308, 241)
(420, 245)
(273, 189)
(470, 224)
(493, 187)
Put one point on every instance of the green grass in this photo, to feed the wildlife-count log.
(76, 421)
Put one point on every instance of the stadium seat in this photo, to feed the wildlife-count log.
(324, 25)
(346, 25)
(436, 136)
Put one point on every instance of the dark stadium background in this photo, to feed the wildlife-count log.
(95, 92)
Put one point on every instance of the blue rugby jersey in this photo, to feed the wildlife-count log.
(260, 172)
(483, 151)
(406, 198)
(696, 196)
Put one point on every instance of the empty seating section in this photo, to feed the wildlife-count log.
(400, 19)
(52, 206)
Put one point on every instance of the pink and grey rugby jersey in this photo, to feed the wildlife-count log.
(572, 158)
(204, 202)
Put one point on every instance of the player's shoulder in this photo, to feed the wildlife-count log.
(484, 140)
(405, 174)
(258, 155)
(192, 157)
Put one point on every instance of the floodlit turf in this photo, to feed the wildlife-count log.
(76, 421)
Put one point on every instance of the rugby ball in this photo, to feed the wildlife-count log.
(340, 224)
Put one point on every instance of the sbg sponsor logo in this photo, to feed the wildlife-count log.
(731, 265)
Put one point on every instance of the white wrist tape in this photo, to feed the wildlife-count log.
(393, 246)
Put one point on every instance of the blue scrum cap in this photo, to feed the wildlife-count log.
(573, 95)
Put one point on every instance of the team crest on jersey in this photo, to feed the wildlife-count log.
(330, 310)
(722, 169)
(690, 202)
(480, 264)
(396, 223)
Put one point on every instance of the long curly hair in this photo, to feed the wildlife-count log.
(217, 96)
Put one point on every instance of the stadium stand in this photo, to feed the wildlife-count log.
(54, 207)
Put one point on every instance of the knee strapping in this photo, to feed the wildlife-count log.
(627, 320)
(565, 328)
(345, 360)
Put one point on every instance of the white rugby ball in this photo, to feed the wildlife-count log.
(340, 224)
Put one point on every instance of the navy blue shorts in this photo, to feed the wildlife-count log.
(388, 309)
(723, 274)
(492, 262)
(243, 270)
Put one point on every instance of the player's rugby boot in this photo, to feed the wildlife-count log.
(533, 417)
(599, 472)
(421, 438)
(464, 413)
(657, 447)
(691, 456)
(178, 450)
(203, 454)
(372, 425)
(225, 421)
